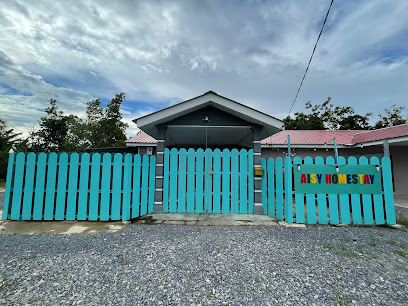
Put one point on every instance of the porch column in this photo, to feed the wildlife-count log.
(258, 208)
(158, 194)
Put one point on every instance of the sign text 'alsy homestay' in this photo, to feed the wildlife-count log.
(348, 179)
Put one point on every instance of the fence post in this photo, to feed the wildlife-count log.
(258, 207)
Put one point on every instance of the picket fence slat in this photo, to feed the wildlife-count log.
(94, 190)
(226, 178)
(73, 182)
(50, 189)
(18, 186)
(28, 187)
(166, 171)
(235, 187)
(251, 181)
(152, 166)
(137, 173)
(190, 180)
(105, 186)
(355, 199)
(310, 200)
(217, 181)
(173, 180)
(243, 171)
(83, 187)
(39, 187)
(199, 200)
(321, 199)
(145, 182)
(9, 180)
(388, 191)
(367, 203)
(279, 188)
(116, 187)
(271, 188)
(127, 180)
(378, 198)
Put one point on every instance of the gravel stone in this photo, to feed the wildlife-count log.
(169, 264)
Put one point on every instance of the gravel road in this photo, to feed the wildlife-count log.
(146, 264)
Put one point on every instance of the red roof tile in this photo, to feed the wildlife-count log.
(313, 137)
(380, 134)
(317, 137)
(142, 137)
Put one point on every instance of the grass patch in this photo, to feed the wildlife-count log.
(342, 299)
(401, 253)
(339, 269)
(373, 243)
(402, 222)
(2, 184)
(343, 251)
(401, 244)
(328, 247)
(209, 293)
(7, 285)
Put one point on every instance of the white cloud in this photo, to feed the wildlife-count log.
(253, 52)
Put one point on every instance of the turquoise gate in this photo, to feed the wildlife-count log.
(208, 181)
(82, 186)
(281, 201)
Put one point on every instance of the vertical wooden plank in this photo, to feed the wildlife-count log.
(199, 197)
(152, 169)
(61, 186)
(145, 185)
(9, 185)
(288, 190)
(310, 200)
(367, 203)
(271, 187)
(105, 186)
(250, 181)
(279, 188)
(137, 174)
(234, 181)
(94, 190)
(333, 203)
(127, 187)
(355, 199)
(243, 182)
(264, 185)
(388, 191)
(378, 198)
(226, 178)
(29, 187)
(182, 184)
(217, 182)
(72, 186)
(18, 187)
(321, 198)
(208, 179)
(166, 171)
(344, 200)
(173, 180)
(50, 189)
(39, 187)
(299, 197)
(190, 180)
(116, 187)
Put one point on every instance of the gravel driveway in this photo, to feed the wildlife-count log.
(146, 264)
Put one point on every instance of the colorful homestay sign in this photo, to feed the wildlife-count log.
(348, 179)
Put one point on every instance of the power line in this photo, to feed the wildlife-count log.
(314, 49)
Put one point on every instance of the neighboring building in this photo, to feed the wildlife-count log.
(234, 125)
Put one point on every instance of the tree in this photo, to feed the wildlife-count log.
(326, 116)
(100, 127)
(8, 138)
(392, 116)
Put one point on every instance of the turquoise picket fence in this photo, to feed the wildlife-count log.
(208, 181)
(281, 202)
(74, 186)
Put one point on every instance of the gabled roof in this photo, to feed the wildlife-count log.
(318, 137)
(141, 137)
(380, 134)
(270, 124)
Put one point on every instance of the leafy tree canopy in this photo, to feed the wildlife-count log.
(326, 116)
(392, 116)
(100, 127)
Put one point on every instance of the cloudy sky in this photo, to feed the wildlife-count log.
(163, 52)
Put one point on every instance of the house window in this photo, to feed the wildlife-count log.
(142, 150)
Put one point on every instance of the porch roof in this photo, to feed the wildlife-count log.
(270, 124)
